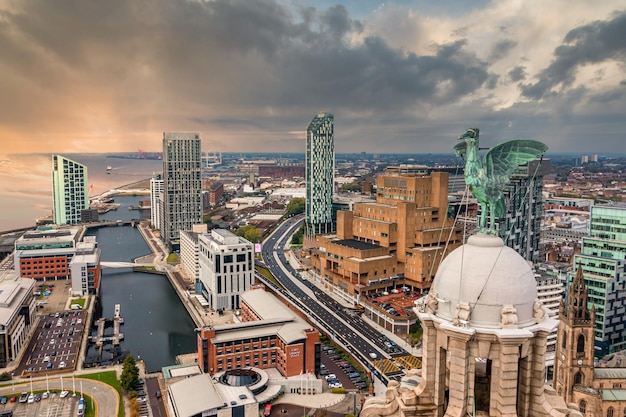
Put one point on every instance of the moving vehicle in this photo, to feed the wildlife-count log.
(268, 410)
(81, 407)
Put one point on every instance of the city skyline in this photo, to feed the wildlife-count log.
(403, 77)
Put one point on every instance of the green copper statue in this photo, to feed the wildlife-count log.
(488, 176)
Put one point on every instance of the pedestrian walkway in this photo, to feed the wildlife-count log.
(324, 400)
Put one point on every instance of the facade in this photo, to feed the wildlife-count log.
(602, 261)
(484, 342)
(282, 171)
(226, 268)
(182, 184)
(405, 233)
(58, 254)
(596, 390)
(216, 191)
(17, 315)
(268, 336)
(69, 190)
(156, 202)
(85, 269)
(190, 250)
(45, 254)
(320, 174)
(521, 227)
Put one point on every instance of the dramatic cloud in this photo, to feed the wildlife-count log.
(88, 75)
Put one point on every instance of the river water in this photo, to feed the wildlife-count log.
(156, 326)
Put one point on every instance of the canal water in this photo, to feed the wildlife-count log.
(156, 325)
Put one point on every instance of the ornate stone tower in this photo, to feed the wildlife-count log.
(484, 342)
(573, 362)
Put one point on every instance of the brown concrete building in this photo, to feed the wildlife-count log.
(405, 233)
(282, 171)
(268, 336)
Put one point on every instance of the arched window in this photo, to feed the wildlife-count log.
(624, 412)
(582, 407)
(564, 340)
(578, 378)
(609, 412)
(580, 344)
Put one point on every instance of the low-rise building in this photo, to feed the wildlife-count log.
(46, 254)
(17, 314)
(268, 336)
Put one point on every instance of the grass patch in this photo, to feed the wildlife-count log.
(172, 258)
(79, 301)
(109, 378)
(267, 274)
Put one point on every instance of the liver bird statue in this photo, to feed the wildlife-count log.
(488, 176)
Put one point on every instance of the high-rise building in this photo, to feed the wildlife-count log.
(320, 174)
(602, 260)
(182, 184)
(156, 204)
(69, 190)
(520, 228)
(226, 268)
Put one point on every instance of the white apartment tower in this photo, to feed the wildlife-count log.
(69, 190)
(226, 268)
(156, 204)
(320, 174)
(182, 184)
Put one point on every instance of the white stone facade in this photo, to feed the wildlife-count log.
(226, 268)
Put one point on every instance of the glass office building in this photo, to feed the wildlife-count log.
(69, 190)
(320, 174)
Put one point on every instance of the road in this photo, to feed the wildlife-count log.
(346, 328)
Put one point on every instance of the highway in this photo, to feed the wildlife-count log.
(345, 327)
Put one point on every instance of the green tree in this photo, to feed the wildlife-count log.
(297, 237)
(129, 378)
(296, 206)
(249, 232)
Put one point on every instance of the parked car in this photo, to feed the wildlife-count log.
(45, 395)
(3, 400)
(64, 394)
(13, 399)
(62, 365)
(23, 397)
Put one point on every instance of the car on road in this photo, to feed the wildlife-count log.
(64, 394)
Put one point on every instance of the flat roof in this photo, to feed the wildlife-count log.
(356, 244)
(194, 395)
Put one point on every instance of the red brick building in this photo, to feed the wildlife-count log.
(268, 336)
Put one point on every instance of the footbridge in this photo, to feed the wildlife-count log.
(122, 264)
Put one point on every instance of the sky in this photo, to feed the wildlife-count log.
(399, 76)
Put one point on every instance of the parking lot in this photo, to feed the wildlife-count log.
(339, 373)
(54, 406)
(55, 344)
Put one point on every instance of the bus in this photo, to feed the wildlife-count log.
(268, 410)
(81, 407)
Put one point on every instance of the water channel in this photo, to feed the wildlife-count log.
(156, 325)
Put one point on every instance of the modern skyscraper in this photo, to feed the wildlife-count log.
(520, 228)
(182, 184)
(320, 173)
(69, 190)
(602, 263)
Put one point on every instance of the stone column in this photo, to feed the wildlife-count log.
(458, 388)
(505, 380)
(538, 373)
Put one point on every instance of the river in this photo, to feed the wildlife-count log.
(156, 326)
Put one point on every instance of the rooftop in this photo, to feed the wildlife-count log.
(356, 244)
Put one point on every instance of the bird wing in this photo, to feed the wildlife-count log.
(460, 149)
(504, 159)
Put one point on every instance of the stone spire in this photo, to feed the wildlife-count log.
(577, 310)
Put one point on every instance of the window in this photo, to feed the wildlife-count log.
(580, 344)
(609, 412)
(582, 407)
(578, 378)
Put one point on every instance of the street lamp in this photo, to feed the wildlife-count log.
(13, 380)
(92, 390)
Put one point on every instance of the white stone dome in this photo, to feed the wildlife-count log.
(485, 275)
